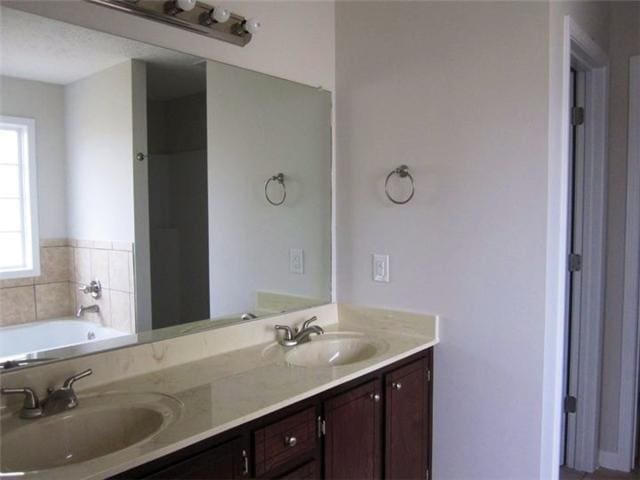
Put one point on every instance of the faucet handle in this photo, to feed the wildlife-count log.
(306, 323)
(68, 383)
(288, 333)
(31, 406)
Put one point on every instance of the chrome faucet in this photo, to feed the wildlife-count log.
(293, 337)
(90, 309)
(59, 400)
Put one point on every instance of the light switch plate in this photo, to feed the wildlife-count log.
(296, 261)
(380, 268)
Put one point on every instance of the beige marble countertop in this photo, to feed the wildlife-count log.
(229, 389)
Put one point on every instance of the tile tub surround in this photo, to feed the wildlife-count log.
(216, 374)
(65, 265)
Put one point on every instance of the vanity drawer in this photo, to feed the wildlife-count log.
(285, 441)
(308, 471)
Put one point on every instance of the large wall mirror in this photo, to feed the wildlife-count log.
(145, 190)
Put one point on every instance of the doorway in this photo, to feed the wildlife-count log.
(586, 111)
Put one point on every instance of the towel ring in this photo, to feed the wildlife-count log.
(402, 171)
(276, 178)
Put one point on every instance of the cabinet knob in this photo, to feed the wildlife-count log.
(396, 385)
(290, 441)
(375, 397)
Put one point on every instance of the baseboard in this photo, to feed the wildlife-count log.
(611, 461)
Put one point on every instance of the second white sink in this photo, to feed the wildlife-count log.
(332, 352)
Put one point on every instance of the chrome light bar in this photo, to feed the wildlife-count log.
(197, 20)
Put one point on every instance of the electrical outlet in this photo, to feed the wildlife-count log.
(296, 261)
(380, 268)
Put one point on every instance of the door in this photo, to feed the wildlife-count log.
(226, 461)
(407, 416)
(353, 444)
(574, 266)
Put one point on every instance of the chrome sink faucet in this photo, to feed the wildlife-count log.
(59, 400)
(293, 337)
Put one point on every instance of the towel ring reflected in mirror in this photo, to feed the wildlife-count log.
(280, 179)
(403, 172)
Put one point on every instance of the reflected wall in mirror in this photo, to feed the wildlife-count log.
(144, 189)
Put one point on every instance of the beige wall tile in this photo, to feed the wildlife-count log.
(132, 278)
(121, 311)
(82, 265)
(53, 301)
(84, 243)
(54, 242)
(102, 245)
(55, 265)
(119, 271)
(16, 282)
(124, 246)
(17, 305)
(100, 266)
(132, 314)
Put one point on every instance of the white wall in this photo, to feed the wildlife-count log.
(296, 41)
(259, 126)
(45, 103)
(458, 91)
(99, 156)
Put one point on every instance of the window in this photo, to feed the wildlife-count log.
(19, 251)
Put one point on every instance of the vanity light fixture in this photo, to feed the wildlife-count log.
(215, 15)
(173, 7)
(216, 22)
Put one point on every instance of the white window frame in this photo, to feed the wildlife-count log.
(29, 197)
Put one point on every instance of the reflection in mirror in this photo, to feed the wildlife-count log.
(145, 189)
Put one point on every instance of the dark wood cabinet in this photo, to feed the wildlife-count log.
(407, 421)
(226, 461)
(352, 433)
(376, 426)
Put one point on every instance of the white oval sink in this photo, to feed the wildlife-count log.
(334, 350)
(100, 425)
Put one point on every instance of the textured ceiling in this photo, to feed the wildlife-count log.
(38, 48)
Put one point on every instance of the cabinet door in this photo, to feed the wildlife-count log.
(407, 417)
(226, 461)
(353, 444)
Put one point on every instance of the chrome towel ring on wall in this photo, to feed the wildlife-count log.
(280, 179)
(403, 172)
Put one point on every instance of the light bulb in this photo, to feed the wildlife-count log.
(252, 25)
(220, 15)
(186, 5)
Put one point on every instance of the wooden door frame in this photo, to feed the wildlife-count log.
(627, 420)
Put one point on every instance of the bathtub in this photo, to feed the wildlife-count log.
(32, 337)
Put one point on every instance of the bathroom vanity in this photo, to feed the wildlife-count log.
(321, 437)
(232, 402)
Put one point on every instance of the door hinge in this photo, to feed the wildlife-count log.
(575, 262)
(570, 404)
(577, 116)
(322, 427)
(426, 474)
(428, 374)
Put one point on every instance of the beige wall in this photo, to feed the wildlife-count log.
(99, 139)
(458, 91)
(624, 42)
(43, 102)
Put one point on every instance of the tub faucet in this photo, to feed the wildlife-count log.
(90, 309)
